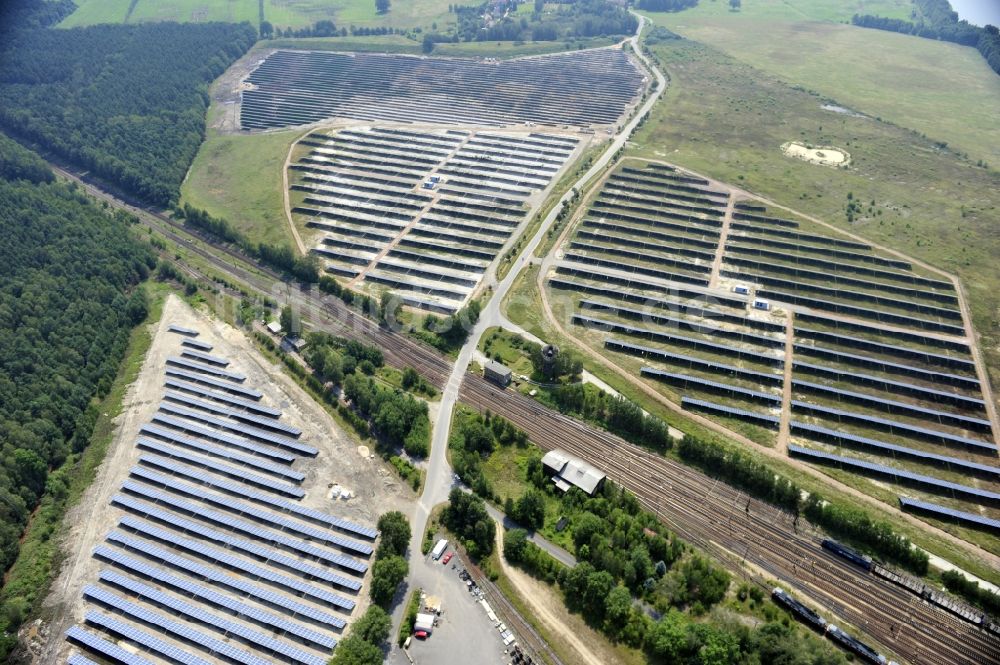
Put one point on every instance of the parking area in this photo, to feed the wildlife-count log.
(463, 634)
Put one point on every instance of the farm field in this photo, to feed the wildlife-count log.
(281, 13)
(848, 355)
(238, 177)
(211, 530)
(421, 213)
(593, 87)
(936, 88)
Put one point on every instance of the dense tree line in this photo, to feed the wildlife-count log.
(499, 21)
(367, 638)
(396, 417)
(466, 517)
(666, 5)
(982, 598)
(449, 333)
(939, 21)
(390, 567)
(126, 102)
(614, 413)
(68, 301)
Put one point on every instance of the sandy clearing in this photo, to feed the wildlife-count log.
(823, 156)
(373, 487)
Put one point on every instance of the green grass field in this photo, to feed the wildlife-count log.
(238, 177)
(281, 13)
(800, 10)
(942, 90)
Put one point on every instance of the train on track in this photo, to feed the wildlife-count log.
(812, 619)
(932, 596)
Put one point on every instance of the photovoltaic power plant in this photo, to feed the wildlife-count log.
(785, 332)
(213, 558)
(301, 87)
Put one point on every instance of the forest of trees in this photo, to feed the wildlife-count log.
(68, 302)
(132, 106)
(666, 5)
(582, 18)
(939, 21)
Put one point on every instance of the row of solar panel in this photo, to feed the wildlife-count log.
(888, 367)
(207, 574)
(260, 421)
(683, 298)
(211, 465)
(207, 358)
(227, 386)
(693, 382)
(887, 349)
(172, 434)
(180, 330)
(679, 340)
(223, 558)
(979, 425)
(906, 335)
(888, 385)
(837, 437)
(272, 520)
(221, 519)
(895, 426)
(897, 475)
(107, 650)
(205, 369)
(722, 410)
(695, 326)
(699, 363)
(197, 615)
(949, 513)
(196, 344)
(247, 431)
(222, 398)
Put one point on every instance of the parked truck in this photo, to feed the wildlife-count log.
(439, 549)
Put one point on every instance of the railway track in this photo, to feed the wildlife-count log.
(750, 537)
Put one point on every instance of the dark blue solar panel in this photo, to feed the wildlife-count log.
(182, 331)
(199, 356)
(233, 472)
(77, 659)
(892, 406)
(264, 535)
(886, 366)
(879, 333)
(897, 474)
(275, 521)
(948, 513)
(109, 650)
(205, 369)
(829, 435)
(888, 349)
(250, 393)
(687, 381)
(221, 624)
(721, 409)
(195, 344)
(243, 430)
(665, 338)
(213, 435)
(142, 638)
(929, 394)
(691, 361)
(267, 423)
(236, 564)
(222, 398)
(892, 425)
(182, 631)
(215, 451)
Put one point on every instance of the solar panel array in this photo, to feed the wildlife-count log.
(214, 556)
(666, 266)
(192, 366)
(949, 514)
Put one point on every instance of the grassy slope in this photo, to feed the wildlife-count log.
(939, 89)
(238, 177)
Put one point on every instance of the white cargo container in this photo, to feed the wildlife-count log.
(439, 549)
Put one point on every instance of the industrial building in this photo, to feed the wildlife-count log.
(568, 471)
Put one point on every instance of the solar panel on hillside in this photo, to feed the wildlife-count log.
(232, 505)
(943, 417)
(207, 358)
(270, 537)
(245, 431)
(142, 638)
(896, 474)
(723, 410)
(948, 513)
(197, 615)
(889, 385)
(242, 475)
(205, 369)
(892, 425)
(209, 596)
(181, 631)
(220, 452)
(180, 330)
(687, 381)
(233, 564)
(194, 377)
(890, 367)
(266, 423)
(195, 344)
(96, 644)
(836, 437)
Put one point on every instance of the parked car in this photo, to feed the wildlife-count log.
(447, 557)
(420, 634)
